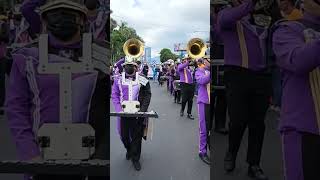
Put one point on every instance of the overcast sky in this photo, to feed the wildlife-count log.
(162, 23)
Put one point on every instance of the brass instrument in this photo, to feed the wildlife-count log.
(133, 49)
(196, 48)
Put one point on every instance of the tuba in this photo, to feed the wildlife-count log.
(133, 49)
(196, 48)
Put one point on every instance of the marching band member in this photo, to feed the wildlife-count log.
(219, 99)
(171, 78)
(131, 129)
(22, 33)
(177, 91)
(296, 45)
(187, 87)
(33, 98)
(203, 79)
(97, 19)
(244, 29)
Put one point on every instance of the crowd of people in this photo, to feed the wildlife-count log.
(54, 31)
(270, 60)
(186, 79)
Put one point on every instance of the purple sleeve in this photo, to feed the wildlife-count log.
(33, 18)
(18, 108)
(201, 78)
(119, 64)
(115, 96)
(183, 65)
(293, 54)
(228, 17)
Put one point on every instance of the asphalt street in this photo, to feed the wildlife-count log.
(271, 160)
(171, 154)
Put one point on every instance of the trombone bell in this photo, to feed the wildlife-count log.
(196, 48)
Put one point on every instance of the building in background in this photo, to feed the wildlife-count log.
(147, 55)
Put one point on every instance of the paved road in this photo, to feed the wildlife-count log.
(271, 160)
(172, 154)
(7, 149)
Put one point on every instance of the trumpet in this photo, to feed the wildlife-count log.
(196, 48)
(133, 48)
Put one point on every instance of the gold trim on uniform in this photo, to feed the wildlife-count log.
(243, 45)
(314, 79)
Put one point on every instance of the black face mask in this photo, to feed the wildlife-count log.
(129, 69)
(92, 4)
(62, 25)
(18, 17)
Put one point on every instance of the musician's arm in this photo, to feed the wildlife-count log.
(201, 78)
(18, 104)
(293, 54)
(115, 96)
(33, 18)
(183, 65)
(228, 17)
(119, 64)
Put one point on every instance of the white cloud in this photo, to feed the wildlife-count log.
(161, 23)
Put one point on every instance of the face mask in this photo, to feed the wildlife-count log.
(92, 4)
(129, 69)
(63, 25)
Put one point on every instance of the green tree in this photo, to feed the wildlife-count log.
(119, 36)
(166, 54)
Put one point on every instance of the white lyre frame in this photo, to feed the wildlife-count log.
(65, 71)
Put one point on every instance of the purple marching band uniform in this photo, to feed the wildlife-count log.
(297, 50)
(246, 57)
(33, 98)
(187, 89)
(171, 79)
(97, 25)
(32, 17)
(120, 94)
(185, 73)
(119, 65)
(247, 84)
(131, 131)
(203, 79)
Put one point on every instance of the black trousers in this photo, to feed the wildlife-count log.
(248, 93)
(177, 95)
(220, 108)
(187, 92)
(131, 134)
(310, 156)
(2, 81)
(208, 124)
